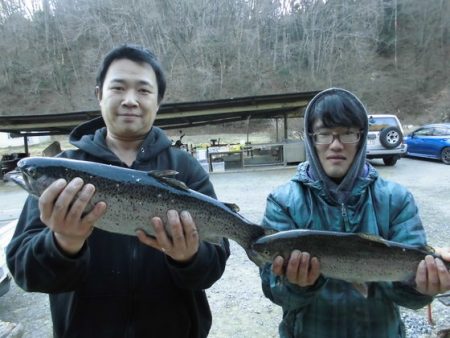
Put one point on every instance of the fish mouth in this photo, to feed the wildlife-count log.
(15, 176)
(19, 178)
(256, 257)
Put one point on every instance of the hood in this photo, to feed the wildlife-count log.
(338, 192)
(91, 138)
(304, 176)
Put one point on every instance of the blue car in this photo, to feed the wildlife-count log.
(430, 141)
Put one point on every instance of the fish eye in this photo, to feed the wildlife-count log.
(32, 172)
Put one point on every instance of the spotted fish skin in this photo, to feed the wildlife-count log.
(134, 197)
(354, 257)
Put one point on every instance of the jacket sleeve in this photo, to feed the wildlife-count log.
(278, 289)
(204, 270)
(34, 259)
(209, 263)
(405, 226)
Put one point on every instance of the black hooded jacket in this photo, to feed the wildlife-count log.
(117, 286)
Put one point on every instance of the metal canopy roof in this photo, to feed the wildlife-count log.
(170, 115)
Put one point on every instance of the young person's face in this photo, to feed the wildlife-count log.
(337, 156)
(129, 99)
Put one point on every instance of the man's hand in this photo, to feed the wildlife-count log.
(432, 276)
(300, 269)
(180, 242)
(62, 205)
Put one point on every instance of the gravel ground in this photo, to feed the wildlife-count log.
(238, 305)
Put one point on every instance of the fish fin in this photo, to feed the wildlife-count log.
(146, 233)
(176, 184)
(162, 173)
(372, 237)
(268, 231)
(162, 176)
(444, 298)
(232, 206)
(429, 249)
(362, 288)
(218, 240)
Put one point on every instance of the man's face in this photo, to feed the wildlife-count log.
(336, 157)
(129, 99)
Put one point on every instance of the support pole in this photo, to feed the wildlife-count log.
(276, 129)
(285, 127)
(25, 143)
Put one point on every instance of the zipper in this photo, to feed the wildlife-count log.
(345, 217)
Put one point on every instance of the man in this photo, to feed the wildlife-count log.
(108, 285)
(337, 190)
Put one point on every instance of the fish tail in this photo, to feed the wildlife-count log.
(251, 254)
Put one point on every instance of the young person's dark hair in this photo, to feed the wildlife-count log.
(336, 109)
(137, 54)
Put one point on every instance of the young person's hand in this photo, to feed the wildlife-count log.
(299, 269)
(432, 276)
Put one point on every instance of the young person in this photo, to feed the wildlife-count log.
(337, 190)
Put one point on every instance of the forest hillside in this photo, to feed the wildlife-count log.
(394, 54)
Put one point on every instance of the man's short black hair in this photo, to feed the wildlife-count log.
(137, 54)
(337, 109)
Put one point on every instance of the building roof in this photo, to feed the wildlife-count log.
(171, 115)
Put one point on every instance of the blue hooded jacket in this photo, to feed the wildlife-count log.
(363, 203)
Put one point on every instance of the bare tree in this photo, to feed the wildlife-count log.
(225, 48)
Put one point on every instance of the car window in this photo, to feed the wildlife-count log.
(379, 123)
(424, 132)
(441, 131)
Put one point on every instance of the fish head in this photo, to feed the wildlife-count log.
(266, 249)
(30, 177)
(258, 259)
(280, 243)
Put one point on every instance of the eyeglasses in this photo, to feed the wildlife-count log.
(348, 137)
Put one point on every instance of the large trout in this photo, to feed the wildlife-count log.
(133, 197)
(354, 257)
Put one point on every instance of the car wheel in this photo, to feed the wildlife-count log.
(445, 155)
(390, 161)
(391, 137)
